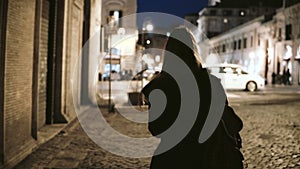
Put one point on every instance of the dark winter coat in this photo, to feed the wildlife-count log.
(221, 150)
(189, 153)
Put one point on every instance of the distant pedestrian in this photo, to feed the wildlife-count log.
(221, 150)
(100, 76)
(288, 76)
(273, 78)
(284, 77)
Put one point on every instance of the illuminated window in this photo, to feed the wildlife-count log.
(298, 53)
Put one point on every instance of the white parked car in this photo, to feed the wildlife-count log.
(233, 76)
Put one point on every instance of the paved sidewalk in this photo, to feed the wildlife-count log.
(271, 139)
(72, 148)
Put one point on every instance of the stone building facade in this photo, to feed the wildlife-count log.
(220, 16)
(41, 41)
(263, 45)
(287, 40)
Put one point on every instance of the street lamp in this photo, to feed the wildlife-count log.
(147, 27)
(110, 31)
(148, 42)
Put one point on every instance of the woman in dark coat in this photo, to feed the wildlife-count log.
(221, 150)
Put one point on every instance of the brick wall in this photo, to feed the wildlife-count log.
(42, 68)
(21, 84)
(18, 76)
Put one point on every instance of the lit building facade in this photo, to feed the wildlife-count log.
(287, 40)
(221, 16)
(263, 45)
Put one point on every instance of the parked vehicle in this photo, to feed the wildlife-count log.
(233, 76)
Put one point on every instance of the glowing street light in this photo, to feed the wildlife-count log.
(149, 27)
(148, 42)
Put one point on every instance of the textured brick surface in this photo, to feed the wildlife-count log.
(18, 75)
(42, 68)
(18, 72)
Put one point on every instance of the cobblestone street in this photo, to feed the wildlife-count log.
(271, 135)
(271, 139)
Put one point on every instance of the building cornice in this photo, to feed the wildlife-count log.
(110, 2)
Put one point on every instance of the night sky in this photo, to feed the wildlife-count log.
(174, 7)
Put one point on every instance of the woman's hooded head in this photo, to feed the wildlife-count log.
(181, 43)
